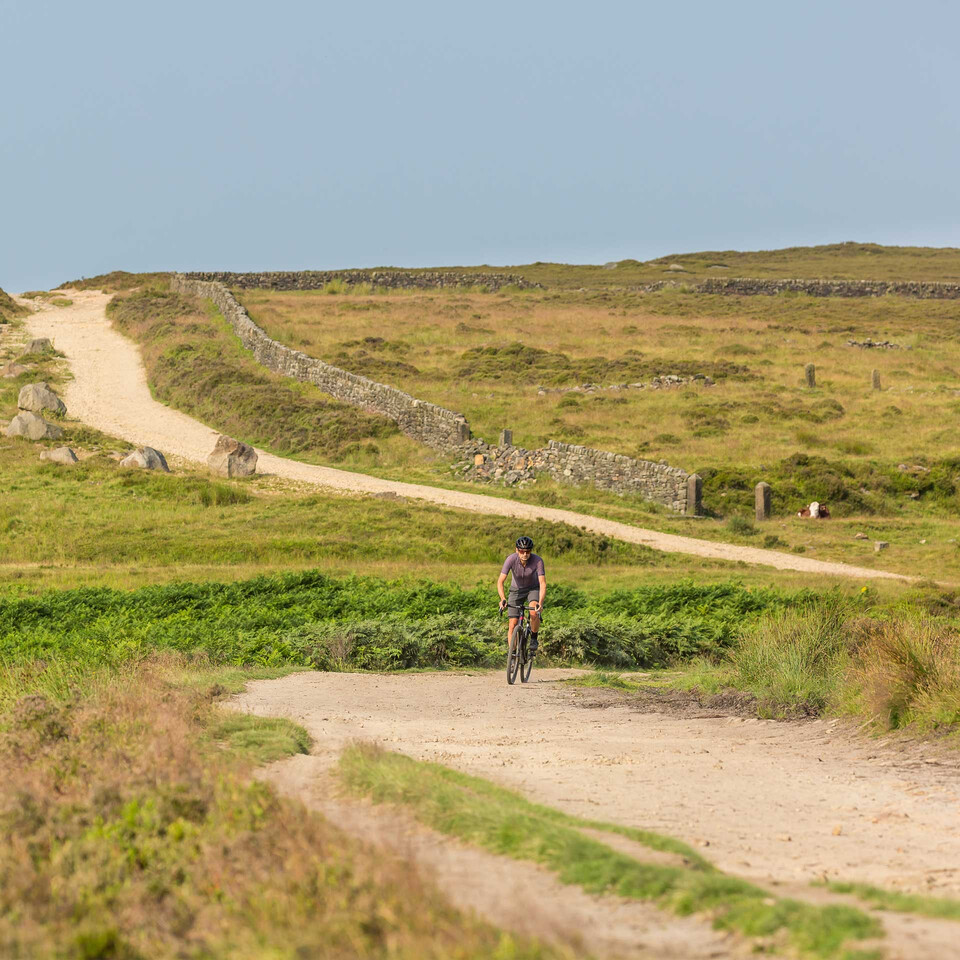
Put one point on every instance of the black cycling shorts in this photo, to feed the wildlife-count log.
(517, 598)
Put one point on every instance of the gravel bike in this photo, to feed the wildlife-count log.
(519, 657)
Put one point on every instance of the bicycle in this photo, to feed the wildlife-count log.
(519, 658)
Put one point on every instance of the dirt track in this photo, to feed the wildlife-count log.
(109, 391)
(777, 803)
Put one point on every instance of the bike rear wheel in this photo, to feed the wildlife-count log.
(526, 658)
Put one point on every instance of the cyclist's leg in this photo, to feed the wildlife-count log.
(534, 621)
(515, 601)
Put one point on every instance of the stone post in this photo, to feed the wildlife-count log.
(694, 495)
(810, 372)
(875, 380)
(761, 499)
(506, 438)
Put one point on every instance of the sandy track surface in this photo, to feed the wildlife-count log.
(109, 391)
(781, 804)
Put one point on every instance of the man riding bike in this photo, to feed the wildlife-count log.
(529, 582)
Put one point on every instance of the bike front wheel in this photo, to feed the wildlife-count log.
(513, 657)
(526, 661)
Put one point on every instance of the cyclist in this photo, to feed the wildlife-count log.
(528, 582)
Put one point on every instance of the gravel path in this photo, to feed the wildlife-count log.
(781, 804)
(109, 391)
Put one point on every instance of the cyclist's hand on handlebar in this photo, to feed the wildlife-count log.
(503, 605)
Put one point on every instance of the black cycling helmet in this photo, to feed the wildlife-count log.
(524, 543)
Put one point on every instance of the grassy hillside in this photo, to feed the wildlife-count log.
(9, 308)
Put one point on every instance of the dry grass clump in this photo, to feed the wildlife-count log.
(908, 672)
(897, 672)
(130, 833)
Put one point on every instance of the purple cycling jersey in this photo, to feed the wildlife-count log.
(524, 577)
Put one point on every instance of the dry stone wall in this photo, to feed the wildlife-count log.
(745, 287)
(449, 432)
(571, 463)
(426, 422)
(401, 279)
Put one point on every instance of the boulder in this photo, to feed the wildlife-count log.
(39, 397)
(40, 345)
(32, 426)
(146, 458)
(63, 455)
(12, 370)
(231, 458)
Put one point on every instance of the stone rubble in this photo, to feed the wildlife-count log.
(61, 455)
(31, 426)
(39, 398)
(231, 458)
(146, 458)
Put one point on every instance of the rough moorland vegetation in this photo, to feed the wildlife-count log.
(565, 364)
(195, 363)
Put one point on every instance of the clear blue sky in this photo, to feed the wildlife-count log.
(291, 135)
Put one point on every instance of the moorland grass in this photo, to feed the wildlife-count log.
(485, 355)
(480, 812)
(133, 828)
(941, 908)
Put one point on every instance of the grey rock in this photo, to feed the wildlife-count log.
(231, 458)
(145, 458)
(31, 426)
(12, 370)
(40, 345)
(62, 455)
(879, 545)
(39, 397)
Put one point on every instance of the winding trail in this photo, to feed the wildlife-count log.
(109, 392)
(779, 803)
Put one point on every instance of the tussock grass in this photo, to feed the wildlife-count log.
(504, 822)
(132, 829)
(9, 308)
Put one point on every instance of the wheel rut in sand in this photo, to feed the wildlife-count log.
(109, 392)
(781, 804)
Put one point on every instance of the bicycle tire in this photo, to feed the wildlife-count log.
(526, 660)
(513, 657)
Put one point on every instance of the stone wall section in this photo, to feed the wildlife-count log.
(745, 287)
(574, 464)
(447, 431)
(393, 279)
(425, 422)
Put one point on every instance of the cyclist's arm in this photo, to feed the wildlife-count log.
(543, 592)
(500, 583)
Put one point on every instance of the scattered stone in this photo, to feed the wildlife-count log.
(32, 426)
(868, 343)
(116, 455)
(62, 455)
(39, 397)
(879, 545)
(145, 458)
(12, 370)
(231, 458)
(677, 268)
(40, 345)
(860, 536)
(478, 459)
